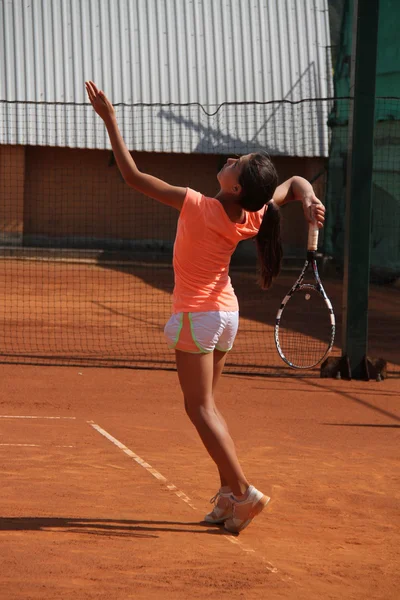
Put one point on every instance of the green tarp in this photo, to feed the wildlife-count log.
(385, 251)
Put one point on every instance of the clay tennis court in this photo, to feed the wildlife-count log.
(55, 309)
(105, 482)
(90, 516)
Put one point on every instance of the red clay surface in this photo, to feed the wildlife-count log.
(83, 520)
(96, 314)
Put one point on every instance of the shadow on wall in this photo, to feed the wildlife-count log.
(297, 121)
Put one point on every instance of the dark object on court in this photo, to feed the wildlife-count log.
(339, 368)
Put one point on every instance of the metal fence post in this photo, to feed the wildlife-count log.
(359, 184)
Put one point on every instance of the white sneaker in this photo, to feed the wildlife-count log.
(222, 508)
(244, 511)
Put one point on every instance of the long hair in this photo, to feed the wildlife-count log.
(258, 180)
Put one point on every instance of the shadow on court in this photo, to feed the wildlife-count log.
(260, 306)
(113, 312)
(106, 527)
(364, 403)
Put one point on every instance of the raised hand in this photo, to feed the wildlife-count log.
(99, 101)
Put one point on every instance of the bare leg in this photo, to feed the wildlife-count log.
(196, 372)
(219, 363)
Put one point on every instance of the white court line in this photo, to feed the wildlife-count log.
(171, 486)
(24, 445)
(32, 417)
(143, 464)
(35, 446)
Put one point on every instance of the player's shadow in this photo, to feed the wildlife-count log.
(106, 527)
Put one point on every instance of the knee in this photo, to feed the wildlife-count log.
(199, 410)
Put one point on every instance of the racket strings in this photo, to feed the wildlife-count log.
(305, 330)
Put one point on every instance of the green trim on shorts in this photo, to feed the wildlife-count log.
(194, 337)
(179, 332)
(176, 340)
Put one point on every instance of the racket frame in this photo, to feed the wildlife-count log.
(299, 285)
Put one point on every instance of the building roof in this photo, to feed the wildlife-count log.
(168, 65)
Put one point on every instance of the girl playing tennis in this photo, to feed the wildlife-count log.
(204, 322)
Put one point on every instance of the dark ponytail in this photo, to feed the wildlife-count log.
(259, 179)
(269, 246)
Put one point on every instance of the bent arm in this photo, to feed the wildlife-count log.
(298, 188)
(295, 188)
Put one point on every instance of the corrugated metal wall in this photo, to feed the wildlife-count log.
(167, 51)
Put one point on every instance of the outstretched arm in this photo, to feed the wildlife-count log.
(298, 188)
(142, 182)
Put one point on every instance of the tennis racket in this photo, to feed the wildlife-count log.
(305, 321)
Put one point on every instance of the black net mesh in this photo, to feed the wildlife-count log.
(85, 262)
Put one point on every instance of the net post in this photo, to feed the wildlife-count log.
(359, 185)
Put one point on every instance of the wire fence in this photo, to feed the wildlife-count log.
(85, 262)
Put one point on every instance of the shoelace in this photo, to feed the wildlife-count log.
(214, 499)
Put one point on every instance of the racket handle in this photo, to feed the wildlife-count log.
(312, 244)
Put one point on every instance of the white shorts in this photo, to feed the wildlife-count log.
(202, 332)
